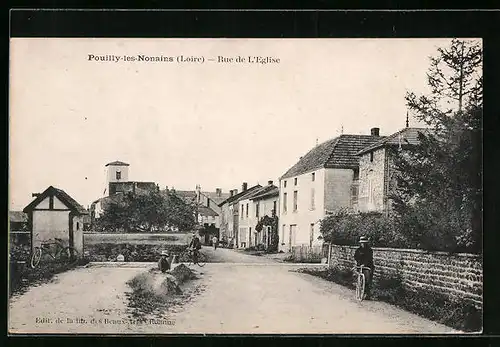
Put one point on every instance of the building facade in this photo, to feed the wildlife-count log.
(230, 214)
(323, 181)
(377, 178)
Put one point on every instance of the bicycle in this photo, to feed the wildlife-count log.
(361, 282)
(189, 255)
(67, 254)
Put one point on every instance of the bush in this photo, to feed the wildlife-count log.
(344, 228)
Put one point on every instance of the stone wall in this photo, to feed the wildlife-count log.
(457, 276)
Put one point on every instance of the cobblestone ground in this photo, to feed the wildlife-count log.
(243, 294)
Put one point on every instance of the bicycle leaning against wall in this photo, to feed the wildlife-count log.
(53, 250)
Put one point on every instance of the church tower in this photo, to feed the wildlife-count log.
(117, 171)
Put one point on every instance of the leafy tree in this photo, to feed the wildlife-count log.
(439, 185)
(145, 212)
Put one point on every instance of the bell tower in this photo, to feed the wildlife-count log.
(117, 171)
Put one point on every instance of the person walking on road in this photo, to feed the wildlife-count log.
(215, 242)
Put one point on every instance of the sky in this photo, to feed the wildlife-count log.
(183, 124)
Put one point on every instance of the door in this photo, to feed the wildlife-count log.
(291, 237)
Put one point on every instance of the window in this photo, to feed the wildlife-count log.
(313, 202)
(356, 175)
(284, 184)
(274, 207)
(371, 156)
(295, 181)
(311, 235)
(77, 226)
(295, 193)
(284, 202)
(283, 233)
(257, 209)
(208, 203)
(118, 175)
(247, 211)
(242, 210)
(313, 176)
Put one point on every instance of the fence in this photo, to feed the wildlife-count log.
(458, 276)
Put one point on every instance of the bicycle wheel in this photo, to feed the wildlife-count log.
(36, 256)
(70, 255)
(202, 259)
(361, 287)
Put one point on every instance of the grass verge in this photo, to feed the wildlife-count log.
(460, 315)
(22, 276)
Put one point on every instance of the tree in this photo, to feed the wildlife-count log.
(439, 185)
(145, 212)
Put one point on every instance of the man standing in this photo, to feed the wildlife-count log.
(364, 256)
(215, 242)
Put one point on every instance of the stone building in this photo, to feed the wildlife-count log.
(376, 170)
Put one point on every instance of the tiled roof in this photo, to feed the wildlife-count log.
(406, 136)
(18, 217)
(117, 163)
(339, 152)
(266, 192)
(240, 195)
(61, 195)
(207, 211)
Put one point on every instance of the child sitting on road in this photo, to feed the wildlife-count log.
(164, 263)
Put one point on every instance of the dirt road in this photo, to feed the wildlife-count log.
(250, 296)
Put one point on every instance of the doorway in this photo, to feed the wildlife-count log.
(291, 236)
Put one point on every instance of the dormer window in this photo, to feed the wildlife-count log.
(118, 175)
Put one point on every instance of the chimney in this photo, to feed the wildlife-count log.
(166, 188)
(231, 193)
(375, 131)
(269, 182)
(244, 186)
(35, 195)
(218, 192)
(235, 191)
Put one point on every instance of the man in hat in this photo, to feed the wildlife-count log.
(364, 256)
(163, 263)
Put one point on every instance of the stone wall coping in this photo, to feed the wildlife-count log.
(419, 251)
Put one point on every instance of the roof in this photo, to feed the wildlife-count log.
(240, 195)
(215, 197)
(207, 211)
(186, 195)
(117, 163)
(407, 136)
(18, 217)
(339, 152)
(61, 195)
(266, 192)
